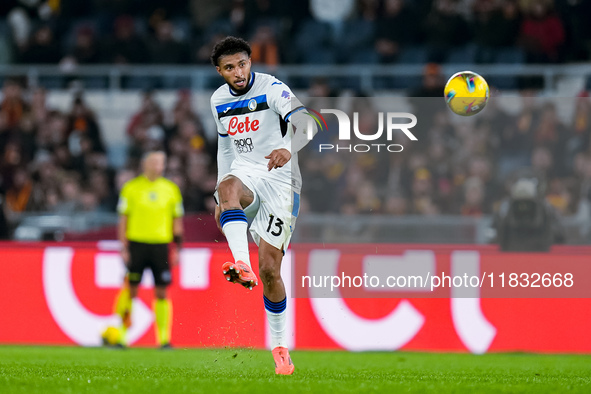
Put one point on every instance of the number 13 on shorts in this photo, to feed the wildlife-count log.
(275, 220)
(275, 225)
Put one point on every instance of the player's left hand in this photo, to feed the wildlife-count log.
(278, 158)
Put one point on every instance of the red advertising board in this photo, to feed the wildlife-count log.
(63, 294)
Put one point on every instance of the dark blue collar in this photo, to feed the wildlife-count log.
(250, 84)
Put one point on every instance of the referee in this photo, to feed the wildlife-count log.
(150, 217)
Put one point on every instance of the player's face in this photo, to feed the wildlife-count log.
(235, 69)
(154, 165)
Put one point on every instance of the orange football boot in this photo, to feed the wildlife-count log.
(239, 272)
(283, 364)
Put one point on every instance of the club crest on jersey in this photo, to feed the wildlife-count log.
(252, 105)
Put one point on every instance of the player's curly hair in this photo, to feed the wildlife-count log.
(229, 46)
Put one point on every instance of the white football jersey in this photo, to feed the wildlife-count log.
(257, 122)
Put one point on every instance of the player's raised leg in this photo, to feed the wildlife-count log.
(275, 300)
(233, 196)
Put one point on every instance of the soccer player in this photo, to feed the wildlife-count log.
(150, 217)
(261, 127)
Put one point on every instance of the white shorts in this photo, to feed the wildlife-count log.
(273, 211)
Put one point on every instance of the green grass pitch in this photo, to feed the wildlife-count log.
(140, 370)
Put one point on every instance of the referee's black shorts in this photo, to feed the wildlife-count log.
(153, 256)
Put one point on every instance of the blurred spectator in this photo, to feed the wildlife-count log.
(433, 82)
(20, 27)
(559, 197)
(474, 198)
(441, 170)
(13, 106)
(53, 133)
(237, 17)
(10, 162)
(580, 128)
(421, 193)
(88, 201)
(188, 139)
(149, 112)
(39, 109)
(496, 25)
(542, 161)
(516, 136)
(6, 48)
(444, 29)
(146, 129)
(122, 176)
(42, 49)
(396, 205)
(70, 195)
(542, 32)
(367, 200)
(550, 132)
(264, 46)
(24, 137)
(574, 15)
(356, 43)
(202, 53)
(18, 195)
(204, 12)
(182, 111)
(364, 28)
(395, 27)
(201, 181)
(424, 107)
(334, 13)
(264, 12)
(99, 185)
(126, 46)
(82, 124)
(165, 48)
(86, 49)
(46, 179)
(4, 226)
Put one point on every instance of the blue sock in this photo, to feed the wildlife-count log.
(232, 215)
(275, 307)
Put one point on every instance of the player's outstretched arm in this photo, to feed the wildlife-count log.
(278, 158)
(304, 129)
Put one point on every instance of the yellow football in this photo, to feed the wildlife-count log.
(466, 93)
(111, 336)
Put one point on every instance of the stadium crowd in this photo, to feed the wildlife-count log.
(459, 168)
(70, 32)
(55, 161)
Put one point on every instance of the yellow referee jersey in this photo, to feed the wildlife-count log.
(150, 208)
